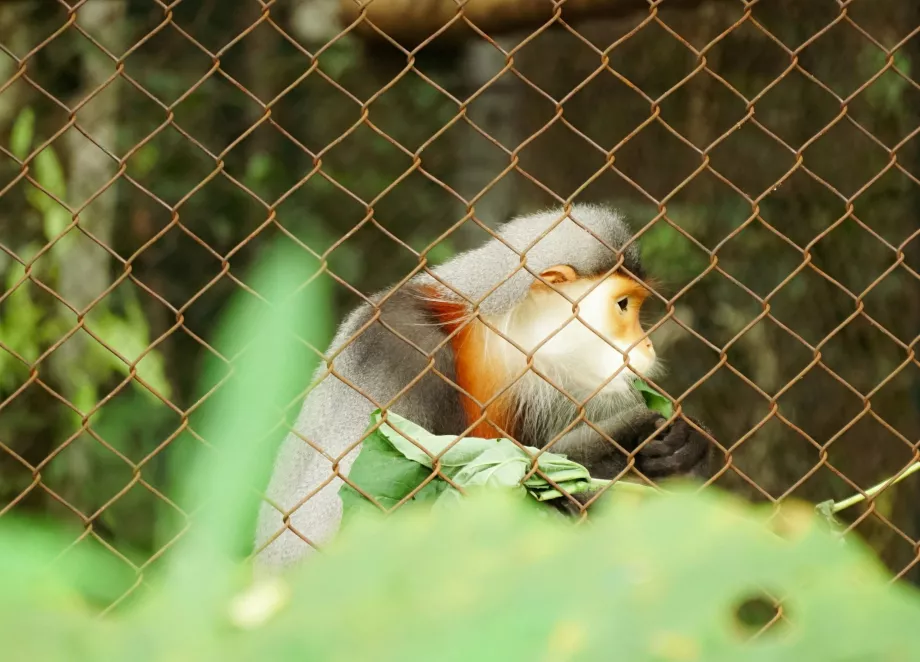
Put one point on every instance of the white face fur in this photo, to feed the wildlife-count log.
(582, 353)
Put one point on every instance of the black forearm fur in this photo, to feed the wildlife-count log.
(673, 450)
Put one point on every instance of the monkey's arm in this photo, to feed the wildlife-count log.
(676, 450)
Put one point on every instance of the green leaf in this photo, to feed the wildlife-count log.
(129, 335)
(144, 159)
(382, 472)
(258, 168)
(390, 466)
(657, 580)
(239, 421)
(50, 173)
(22, 133)
(653, 399)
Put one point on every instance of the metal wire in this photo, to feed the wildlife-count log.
(28, 64)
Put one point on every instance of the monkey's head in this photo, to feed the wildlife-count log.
(588, 263)
(585, 330)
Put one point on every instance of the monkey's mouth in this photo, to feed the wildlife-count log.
(625, 375)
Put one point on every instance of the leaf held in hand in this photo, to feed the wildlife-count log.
(390, 466)
(654, 400)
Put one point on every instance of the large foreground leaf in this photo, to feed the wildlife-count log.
(669, 577)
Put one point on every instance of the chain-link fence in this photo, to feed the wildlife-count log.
(766, 155)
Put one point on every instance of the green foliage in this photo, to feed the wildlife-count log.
(657, 579)
(22, 132)
(399, 457)
(50, 174)
(31, 322)
(129, 335)
(682, 576)
(24, 325)
(886, 93)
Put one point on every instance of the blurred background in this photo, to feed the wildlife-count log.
(768, 156)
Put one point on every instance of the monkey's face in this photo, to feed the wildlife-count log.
(604, 347)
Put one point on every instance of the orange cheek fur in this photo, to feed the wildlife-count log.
(480, 375)
(476, 373)
(626, 327)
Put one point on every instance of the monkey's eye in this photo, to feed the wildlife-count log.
(623, 303)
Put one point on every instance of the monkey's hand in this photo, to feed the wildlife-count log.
(677, 450)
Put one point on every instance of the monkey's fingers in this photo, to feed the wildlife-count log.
(665, 443)
(649, 424)
(690, 454)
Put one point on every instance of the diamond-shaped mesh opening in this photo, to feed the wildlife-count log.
(766, 155)
(752, 160)
(771, 370)
(774, 111)
(889, 298)
(747, 48)
(626, 60)
(863, 375)
(682, 159)
(801, 208)
(834, 144)
(602, 124)
(167, 150)
(147, 64)
(685, 109)
(756, 237)
(832, 305)
(842, 59)
(774, 436)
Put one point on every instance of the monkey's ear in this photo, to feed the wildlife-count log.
(561, 273)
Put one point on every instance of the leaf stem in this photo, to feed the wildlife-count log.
(620, 485)
(875, 489)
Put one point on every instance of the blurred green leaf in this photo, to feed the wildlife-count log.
(50, 173)
(887, 92)
(144, 160)
(22, 133)
(221, 485)
(662, 578)
(258, 167)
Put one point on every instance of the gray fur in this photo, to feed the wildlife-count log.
(566, 242)
(381, 364)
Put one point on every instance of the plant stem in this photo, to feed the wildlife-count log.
(875, 489)
(620, 485)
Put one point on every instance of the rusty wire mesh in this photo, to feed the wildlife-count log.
(769, 166)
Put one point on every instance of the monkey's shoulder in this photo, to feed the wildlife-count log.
(394, 326)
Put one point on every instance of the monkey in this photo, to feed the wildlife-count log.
(489, 344)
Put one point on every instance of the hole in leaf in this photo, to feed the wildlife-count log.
(755, 613)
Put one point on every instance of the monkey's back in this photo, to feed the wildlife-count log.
(377, 369)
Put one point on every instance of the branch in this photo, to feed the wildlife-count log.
(410, 22)
(875, 489)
